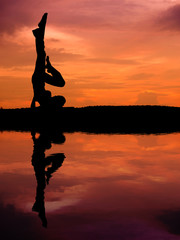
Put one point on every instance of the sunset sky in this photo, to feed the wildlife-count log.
(110, 52)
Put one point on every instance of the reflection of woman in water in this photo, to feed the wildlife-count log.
(44, 167)
(40, 77)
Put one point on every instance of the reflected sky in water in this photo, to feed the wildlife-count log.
(106, 186)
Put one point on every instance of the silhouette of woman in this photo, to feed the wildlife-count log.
(40, 76)
(44, 167)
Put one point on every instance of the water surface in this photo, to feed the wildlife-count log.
(89, 186)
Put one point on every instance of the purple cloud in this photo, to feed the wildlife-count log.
(14, 14)
(170, 19)
(67, 14)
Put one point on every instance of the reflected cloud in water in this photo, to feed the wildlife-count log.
(110, 186)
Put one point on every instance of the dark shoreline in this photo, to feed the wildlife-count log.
(95, 119)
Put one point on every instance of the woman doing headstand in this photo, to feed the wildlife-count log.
(40, 76)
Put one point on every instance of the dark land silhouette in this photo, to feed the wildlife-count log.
(40, 76)
(97, 119)
(44, 167)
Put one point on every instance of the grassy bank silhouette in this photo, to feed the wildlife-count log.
(94, 119)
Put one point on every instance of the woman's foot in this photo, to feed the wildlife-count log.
(42, 23)
(48, 64)
(35, 32)
(39, 32)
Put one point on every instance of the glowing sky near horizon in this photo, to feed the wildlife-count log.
(119, 52)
